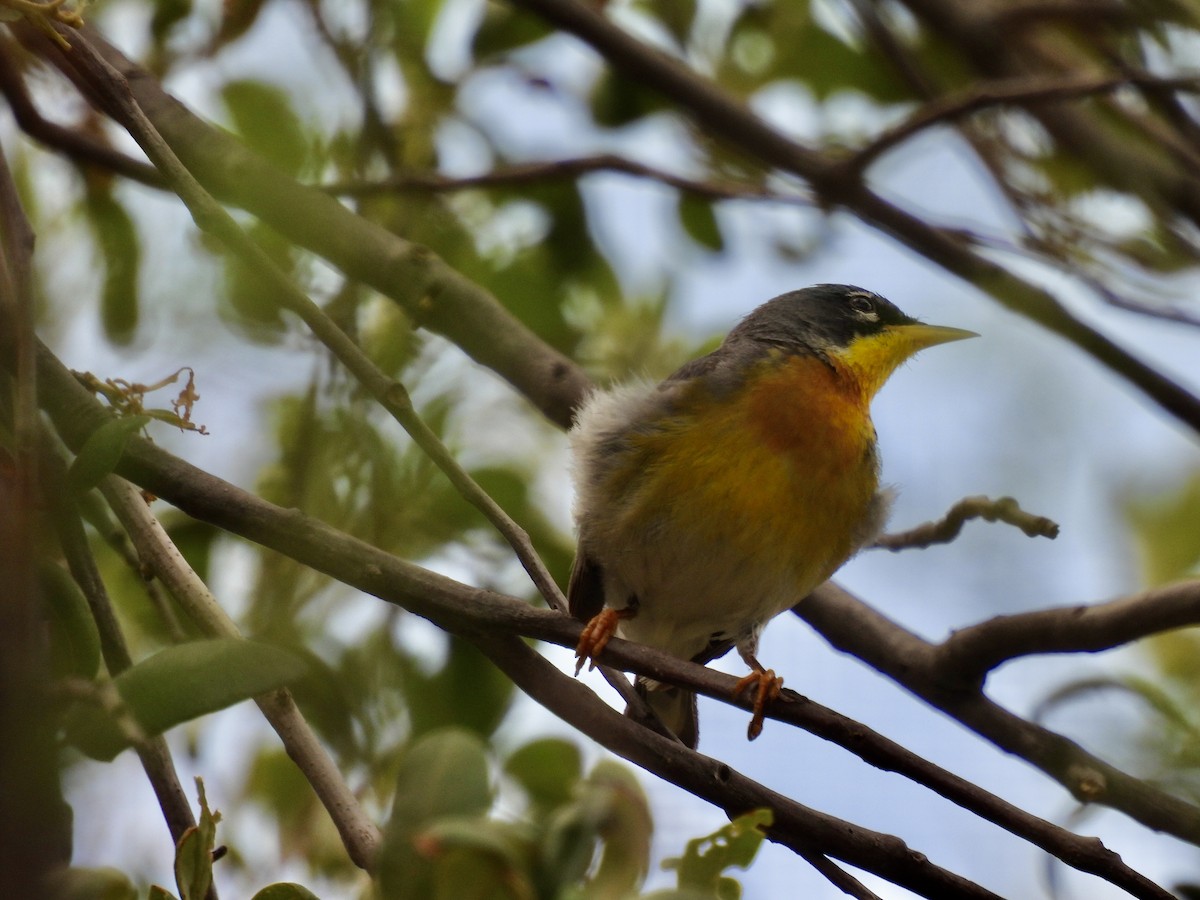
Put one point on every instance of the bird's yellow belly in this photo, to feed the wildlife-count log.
(745, 509)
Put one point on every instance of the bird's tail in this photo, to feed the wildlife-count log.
(675, 706)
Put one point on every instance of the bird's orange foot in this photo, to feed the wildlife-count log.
(596, 635)
(767, 687)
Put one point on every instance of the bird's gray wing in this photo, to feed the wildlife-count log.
(585, 591)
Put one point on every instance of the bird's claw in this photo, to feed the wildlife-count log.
(767, 687)
(595, 637)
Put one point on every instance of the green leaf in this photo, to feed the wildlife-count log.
(568, 844)
(706, 858)
(1166, 528)
(79, 883)
(120, 249)
(262, 114)
(618, 101)
(102, 451)
(465, 874)
(168, 14)
(285, 890)
(700, 222)
(181, 683)
(74, 639)
(676, 16)
(1069, 175)
(505, 841)
(443, 774)
(503, 30)
(160, 893)
(548, 769)
(625, 824)
(481, 693)
(193, 853)
(194, 540)
(249, 300)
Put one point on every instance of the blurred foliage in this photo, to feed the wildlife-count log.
(175, 685)
(392, 90)
(701, 868)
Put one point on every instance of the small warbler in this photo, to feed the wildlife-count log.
(710, 503)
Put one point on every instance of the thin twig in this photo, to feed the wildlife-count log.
(946, 529)
(1010, 92)
(99, 516)
(1143, 308)
(839, 877)
(153, 752)
(359, 834)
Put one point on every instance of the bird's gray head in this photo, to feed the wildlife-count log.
(818, 319)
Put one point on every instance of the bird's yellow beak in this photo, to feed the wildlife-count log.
(873, 358)
(918, 335)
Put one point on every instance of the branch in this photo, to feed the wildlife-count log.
(359, 834)
(836, 184)
(1154, 310)
(804, 830)
(473, 612)
(153, 752)
(35, 831)
(564, 169)
(853, 627)
(839, 877)
(946, 529)
(77, 145)
(97, 514)
(977, 650)
(1021, 90)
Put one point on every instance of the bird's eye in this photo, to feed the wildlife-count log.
(861, 303)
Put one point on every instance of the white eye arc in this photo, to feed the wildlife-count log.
(862, 304)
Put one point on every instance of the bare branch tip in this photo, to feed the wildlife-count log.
(946, 529)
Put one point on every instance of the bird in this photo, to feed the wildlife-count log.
(709, 503)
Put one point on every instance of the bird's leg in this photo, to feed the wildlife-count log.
(598, 632)
(767, 686)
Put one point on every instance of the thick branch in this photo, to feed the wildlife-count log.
(976, 650)
(853, 627)
(34, 831)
